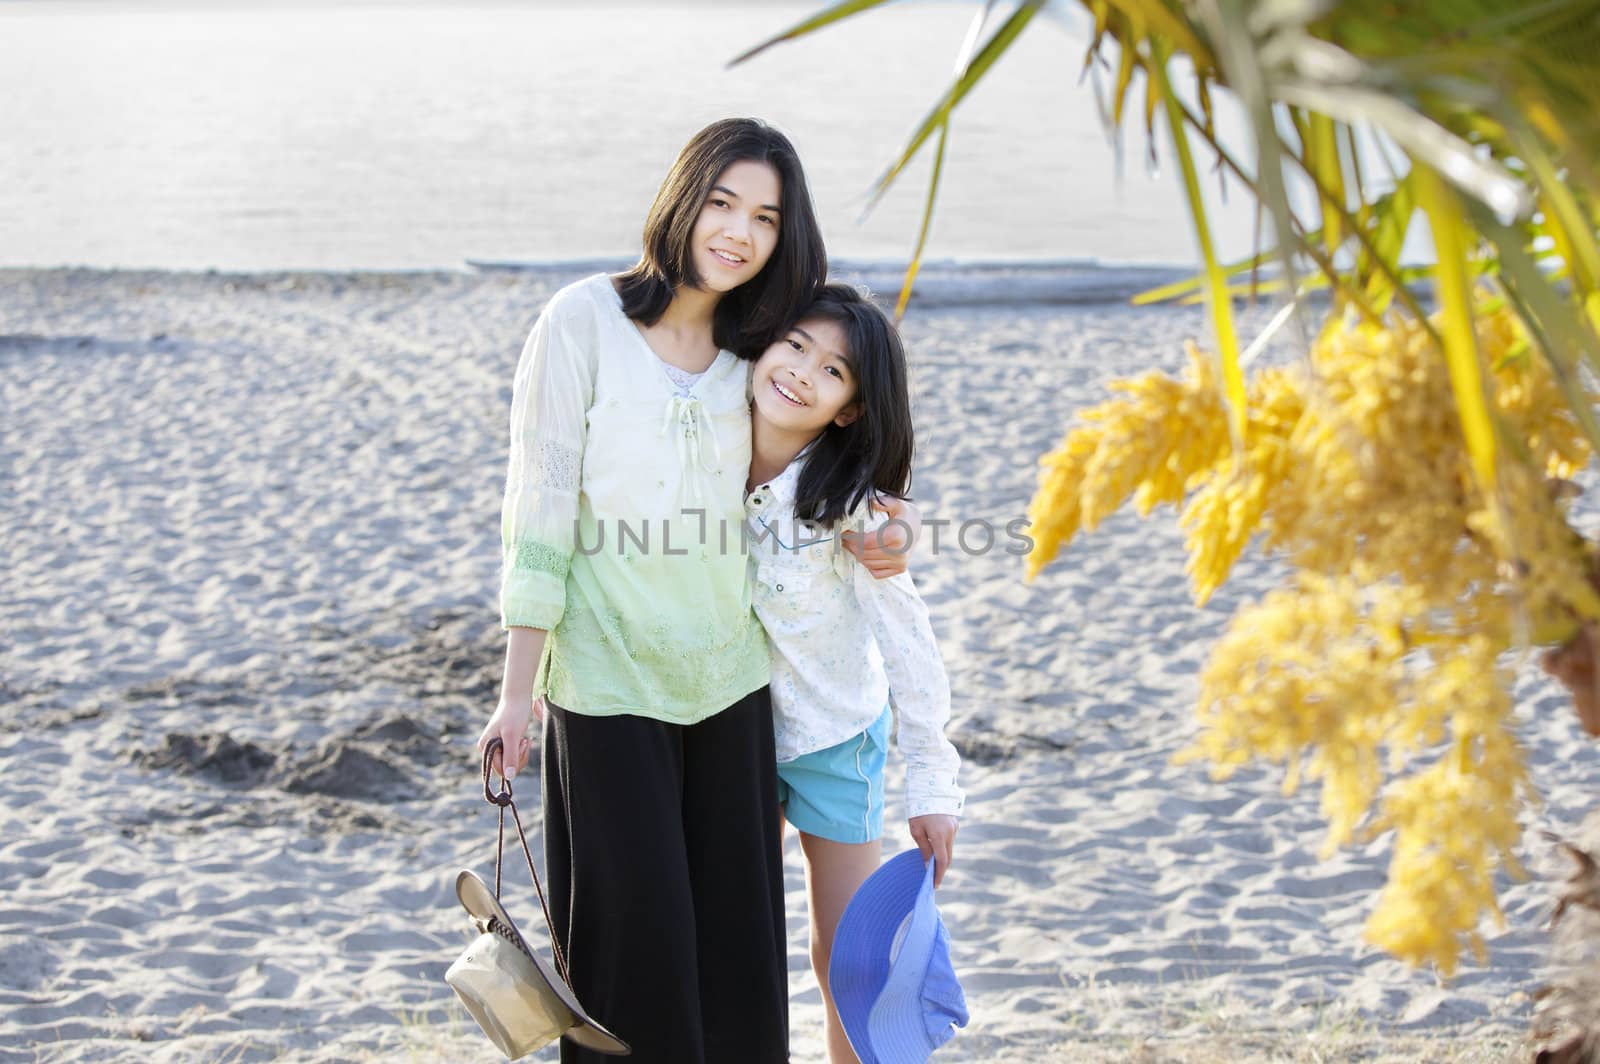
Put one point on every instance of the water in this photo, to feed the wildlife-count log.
(249, 135)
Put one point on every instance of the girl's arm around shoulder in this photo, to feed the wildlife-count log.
(886, 550)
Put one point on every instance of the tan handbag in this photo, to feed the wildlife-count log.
(519, 1000)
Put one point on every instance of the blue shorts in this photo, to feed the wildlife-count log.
(837, 793)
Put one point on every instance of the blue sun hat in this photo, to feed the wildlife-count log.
(890, 973)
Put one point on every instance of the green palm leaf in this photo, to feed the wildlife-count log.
(1450, 242)
(1557, 328)
(1002, 39)
(1220, 303)
(827, 17)
(927, 224)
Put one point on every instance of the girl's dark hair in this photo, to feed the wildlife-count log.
(873, 452)
(757, 312)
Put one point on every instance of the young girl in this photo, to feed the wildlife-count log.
(831, 425)
(631, 623)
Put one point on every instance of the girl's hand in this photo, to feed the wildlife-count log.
(509, 723)
(886, 551)
(935, 836)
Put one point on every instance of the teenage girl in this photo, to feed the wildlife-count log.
(831, 426)
(629, 618)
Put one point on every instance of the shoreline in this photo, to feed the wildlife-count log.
(940, 282)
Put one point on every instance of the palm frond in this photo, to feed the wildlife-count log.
(915, 265)
(1220, 304)
(1558, 330)
(1456, 310)
(826, 17)
(1003, 37)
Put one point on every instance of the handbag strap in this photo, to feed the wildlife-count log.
(502, 798)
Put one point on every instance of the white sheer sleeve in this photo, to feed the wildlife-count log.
(553, 390)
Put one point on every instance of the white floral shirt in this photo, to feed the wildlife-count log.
(843, 644)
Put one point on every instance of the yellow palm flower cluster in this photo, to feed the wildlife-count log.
(1375, 669)
(1231, 502)
(1162, 434)
(1526, 395)
(1454, 820)
(1543, 565)
(1380, 451)
(1318, 666)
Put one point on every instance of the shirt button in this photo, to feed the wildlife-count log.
(780, 587)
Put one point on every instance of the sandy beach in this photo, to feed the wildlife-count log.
(248, 633)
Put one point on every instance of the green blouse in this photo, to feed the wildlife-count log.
(621, 529)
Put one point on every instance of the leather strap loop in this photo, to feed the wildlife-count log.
(503, 800)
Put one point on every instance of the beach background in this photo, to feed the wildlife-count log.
(252, 419)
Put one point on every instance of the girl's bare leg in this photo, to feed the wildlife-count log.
(833, 872)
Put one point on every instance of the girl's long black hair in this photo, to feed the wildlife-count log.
(757, 312)
(873, 452)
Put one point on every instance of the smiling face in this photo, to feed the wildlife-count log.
(738, 226)
(805, 381)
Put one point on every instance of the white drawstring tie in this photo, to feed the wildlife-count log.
(686, 417)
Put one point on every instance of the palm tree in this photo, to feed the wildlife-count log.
(1480, 118)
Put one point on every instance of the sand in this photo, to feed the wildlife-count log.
(249, 634)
